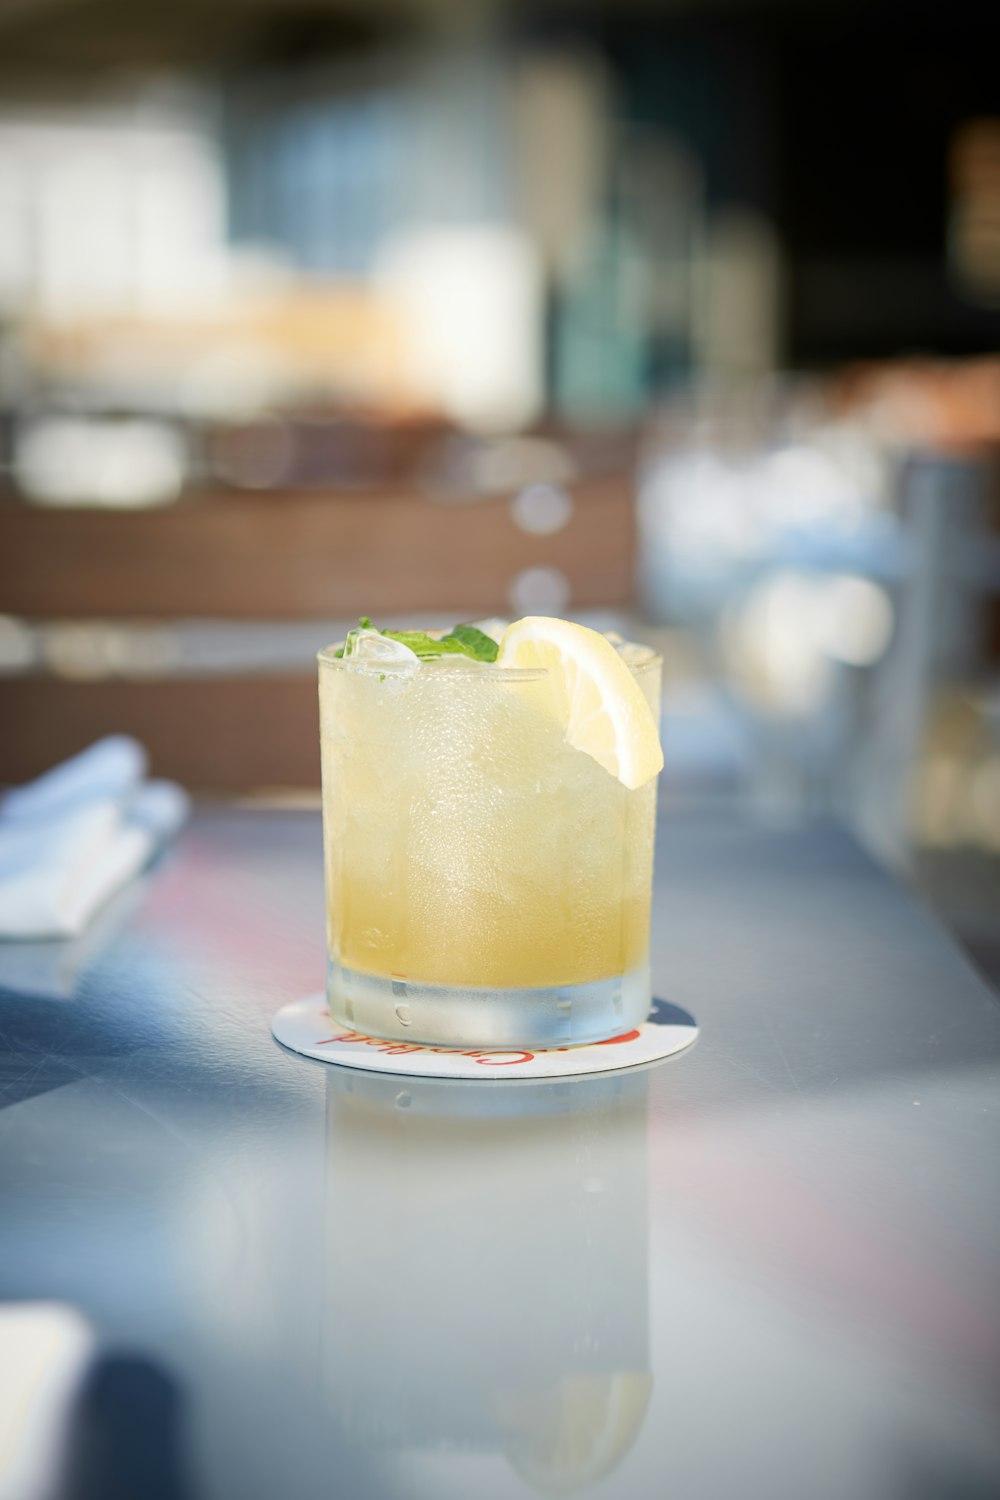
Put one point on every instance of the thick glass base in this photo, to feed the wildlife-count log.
(439, 1015)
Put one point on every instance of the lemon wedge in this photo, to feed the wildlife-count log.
(591, 692)
(580, 1431)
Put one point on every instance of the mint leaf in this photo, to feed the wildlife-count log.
(464, 640)
(473, 642)
(420, 643)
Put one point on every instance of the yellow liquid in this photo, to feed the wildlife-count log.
(466, 843)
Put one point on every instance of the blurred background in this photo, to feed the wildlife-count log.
(682, 319)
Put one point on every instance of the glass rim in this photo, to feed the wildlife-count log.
(326, 658)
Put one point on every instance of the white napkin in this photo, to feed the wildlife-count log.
(46, 1349)
(78, 833)
(50, 968)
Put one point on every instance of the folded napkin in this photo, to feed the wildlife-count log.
(50, 968)
(46, 1354)
(78, 833)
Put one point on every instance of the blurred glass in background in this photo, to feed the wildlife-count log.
(683, 320)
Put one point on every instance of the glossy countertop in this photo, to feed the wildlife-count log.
(766, 1266)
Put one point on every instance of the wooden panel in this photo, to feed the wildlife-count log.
(225, 735)
(305, 556)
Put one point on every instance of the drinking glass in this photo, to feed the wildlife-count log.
(487, 884)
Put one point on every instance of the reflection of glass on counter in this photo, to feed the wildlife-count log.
(488, 1273)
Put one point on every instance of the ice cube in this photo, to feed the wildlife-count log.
(630, 651)
(370, 647)
(634, 653)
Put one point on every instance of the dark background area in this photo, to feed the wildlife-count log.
(683, 319)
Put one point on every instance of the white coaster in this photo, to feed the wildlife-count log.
(305, 1026)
